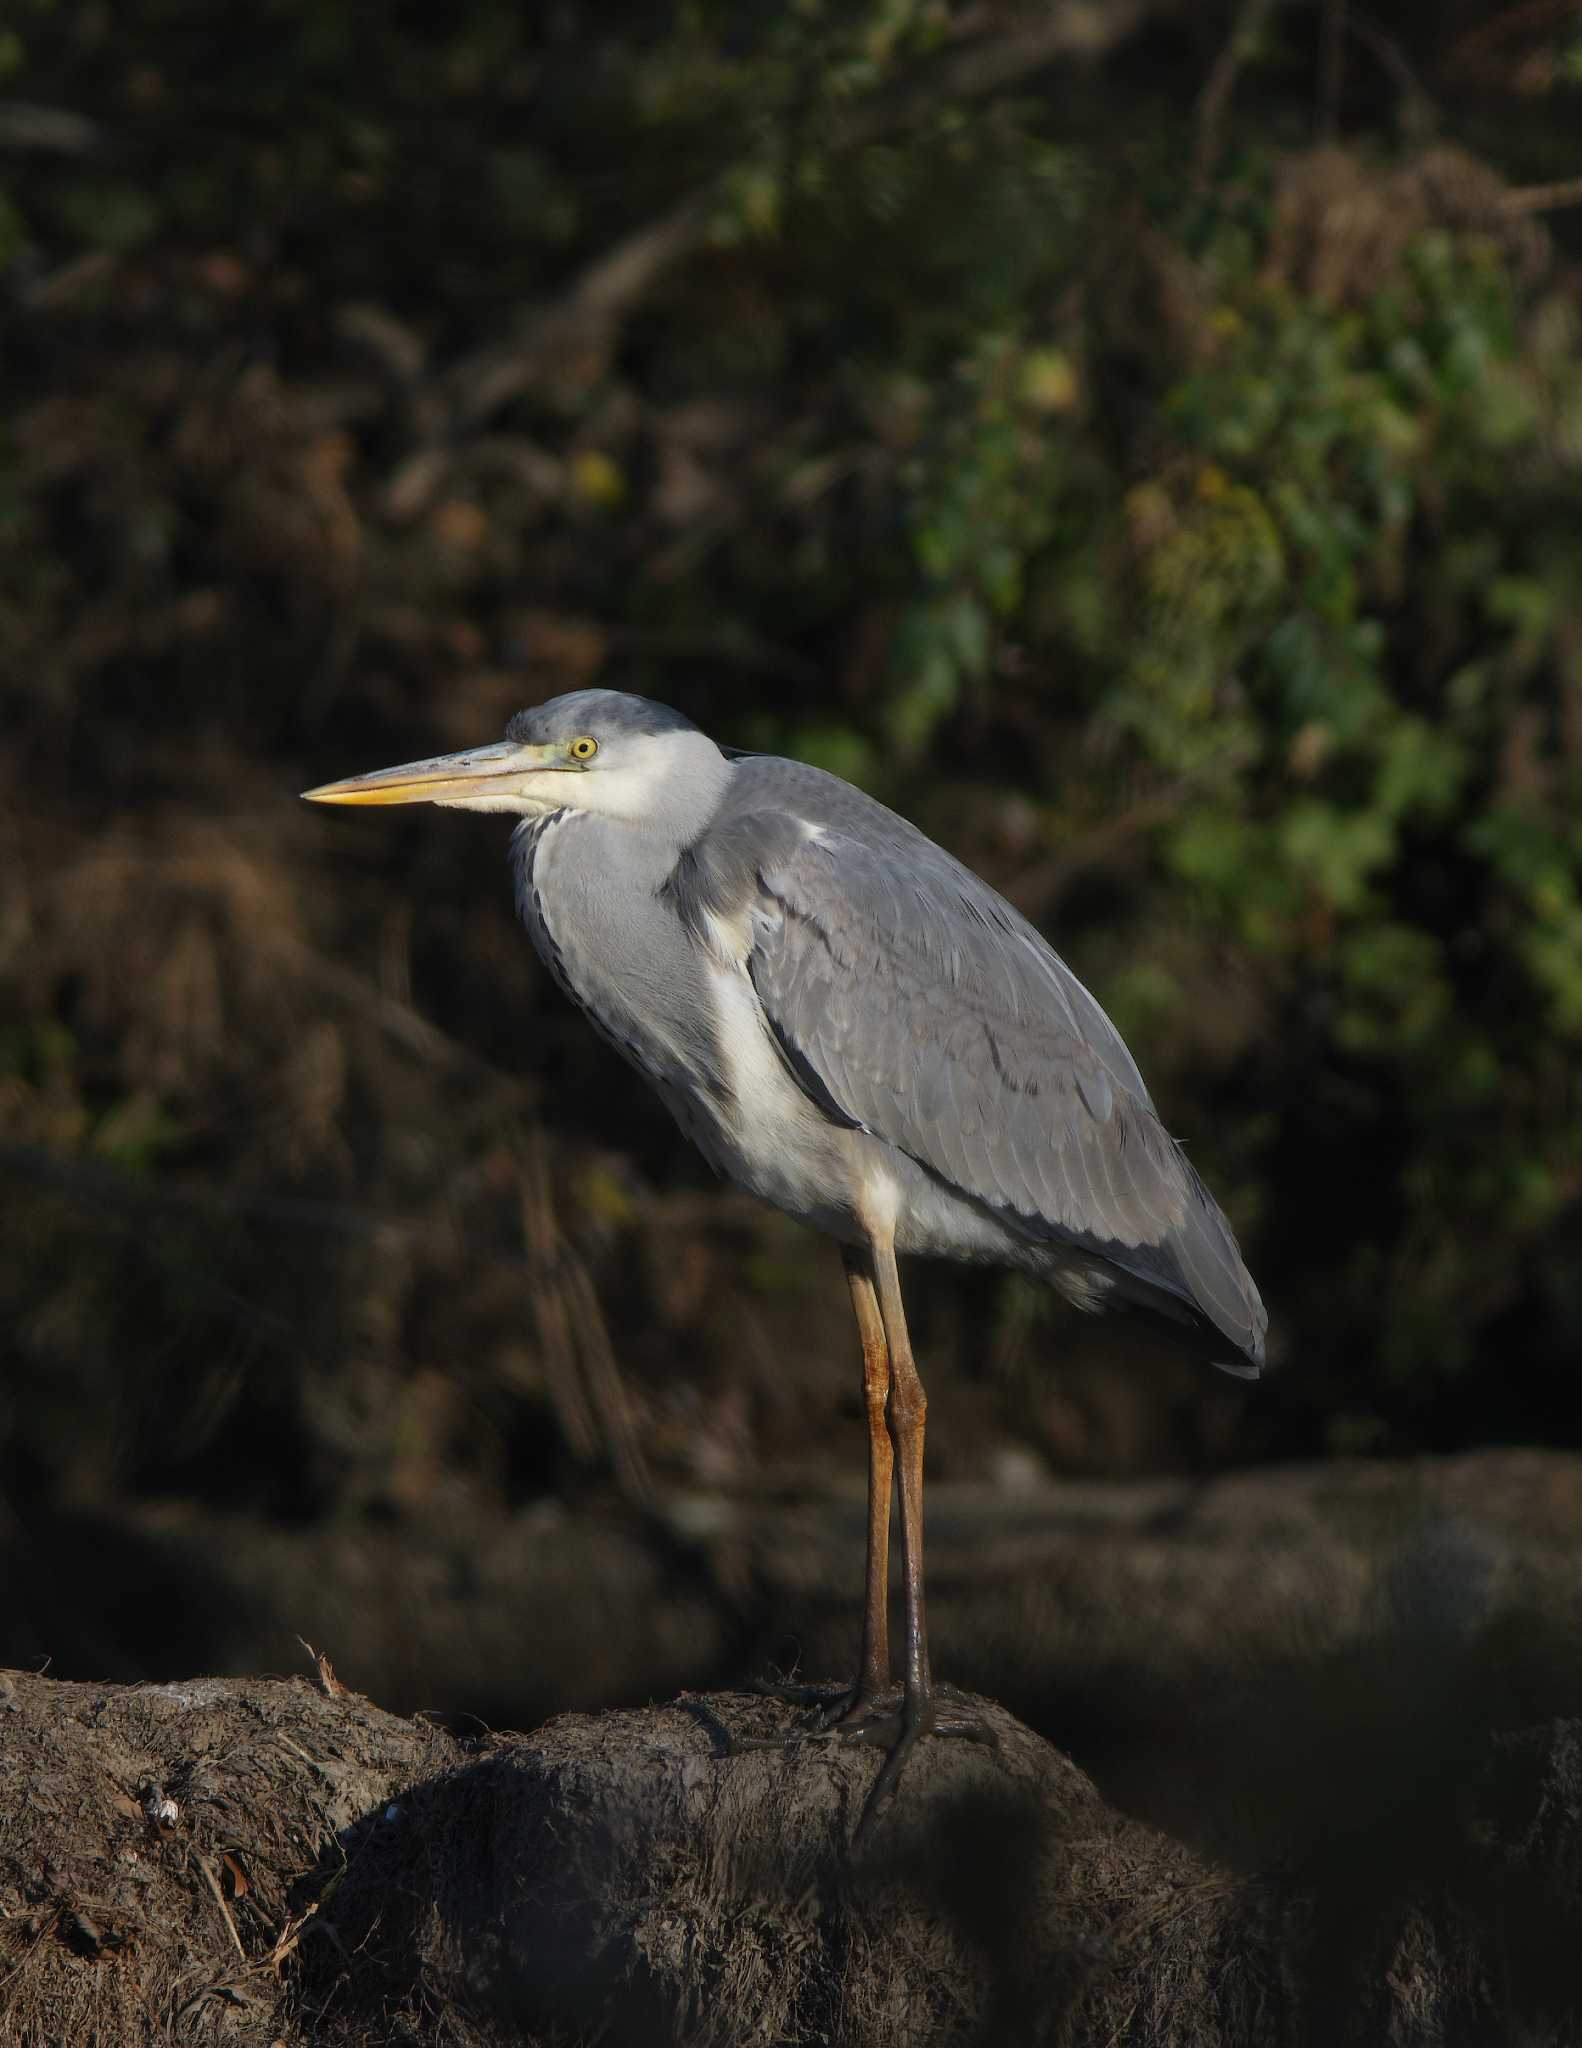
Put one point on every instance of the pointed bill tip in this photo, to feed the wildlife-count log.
(449, 778)
(367, 789)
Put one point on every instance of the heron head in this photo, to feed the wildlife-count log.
(590, 750)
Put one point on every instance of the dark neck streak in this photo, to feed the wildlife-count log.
(525, 843)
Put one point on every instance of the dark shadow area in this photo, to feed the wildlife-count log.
(654, 1899)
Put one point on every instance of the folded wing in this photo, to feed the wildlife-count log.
(909, 998)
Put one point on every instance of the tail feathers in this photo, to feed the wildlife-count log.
(1196, 1276)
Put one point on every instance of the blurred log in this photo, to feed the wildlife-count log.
(256, 1861)
(1087, 1598)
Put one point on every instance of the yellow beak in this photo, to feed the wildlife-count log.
(480, 772)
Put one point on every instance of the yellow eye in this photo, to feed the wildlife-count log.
(583, 749)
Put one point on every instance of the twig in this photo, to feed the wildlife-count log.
(1221, 83)
(68, 281)
(401, 1023)
(491, 377)
(546, 1257)
(607, 1389)
(326, 1670)
(1474, 51)
(1417, 106)
(287, 1940)
(975, 70)
(289, 1937)
(55, 129)
(313, 1763)
(1038, 888)
(589, 1393)
(1525, 199)
(1331, 66)
(219, 1900)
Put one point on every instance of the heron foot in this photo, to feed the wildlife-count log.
(893, 1720)
(831, 1694)
(834, 1704)
(897, 1726)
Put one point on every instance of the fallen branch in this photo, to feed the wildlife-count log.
(1525, 199)
(606, 290)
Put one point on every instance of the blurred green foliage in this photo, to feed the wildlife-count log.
(1196, 552)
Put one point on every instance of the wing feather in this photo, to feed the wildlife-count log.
(911, 1000)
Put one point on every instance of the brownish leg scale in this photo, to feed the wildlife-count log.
(838, 1704)
(897, 1410)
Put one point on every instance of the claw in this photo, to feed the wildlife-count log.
(831, 1702)
(931, 1713)
(894, 1721)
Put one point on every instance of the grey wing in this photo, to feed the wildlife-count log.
(912, 1000)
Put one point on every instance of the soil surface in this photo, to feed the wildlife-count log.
(1216, 1654)
(264, 1862)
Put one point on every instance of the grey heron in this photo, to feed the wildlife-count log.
(849, 1022)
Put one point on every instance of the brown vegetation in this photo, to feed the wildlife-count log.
(272, 1862)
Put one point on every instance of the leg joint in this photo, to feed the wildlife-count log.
(908, 1403)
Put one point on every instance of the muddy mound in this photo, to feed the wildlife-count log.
(273, 1863)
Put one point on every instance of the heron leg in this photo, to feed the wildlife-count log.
(840, 1704)
(924, 1709)
(873, 1675)
(897, 1409)
(908, 1417)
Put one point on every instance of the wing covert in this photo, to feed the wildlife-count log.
(910, 999)
(934, 1022)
